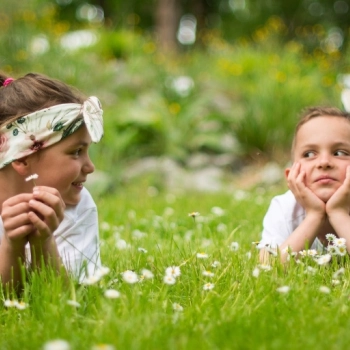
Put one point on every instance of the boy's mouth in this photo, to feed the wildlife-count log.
(325, 179)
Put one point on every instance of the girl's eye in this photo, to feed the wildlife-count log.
(309, 154)
(77, 152)
(340, 153)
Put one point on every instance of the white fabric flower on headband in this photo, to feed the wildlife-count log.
(43, 128)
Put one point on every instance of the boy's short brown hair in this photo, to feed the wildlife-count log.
(314, 112)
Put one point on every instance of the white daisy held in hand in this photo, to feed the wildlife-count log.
(32, 177)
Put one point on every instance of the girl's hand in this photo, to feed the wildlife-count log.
(17, 224)
(46, 213)
(305, 197)
(340, 200)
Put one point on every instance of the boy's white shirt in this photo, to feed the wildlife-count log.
(284, 215)
(77, 237)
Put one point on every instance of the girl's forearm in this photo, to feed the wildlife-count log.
(12, 259)
(46, 252)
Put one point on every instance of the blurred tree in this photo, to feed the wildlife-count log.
(234, 19)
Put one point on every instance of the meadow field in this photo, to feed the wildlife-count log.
(181, 271)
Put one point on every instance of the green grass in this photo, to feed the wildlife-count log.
(240, 312)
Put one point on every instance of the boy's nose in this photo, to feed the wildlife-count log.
(325, 161)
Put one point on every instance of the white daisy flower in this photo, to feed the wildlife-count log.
(216, 264)
(112, 294)
(342, 251)
(32, 177)
(57, 344)
(121, 244)
(218, 211)
(339, 242)
(202, 255)
(324, 259)
(142, 250)
(89, 280)
(333, 250)
(339, 272)
(168, 279)
(309, 252)
(311, 270)
(102, 271)
(147, 274)
(21, 305)
(207, 273)
(324, 289)
(173, 271)
(177, 307)
(265, 267)
(130, 276)
(256, 272)
(234, 246)
(73, 303)
(283, 289)
(335, 282)
(208, 286)
(10, 303)
(330, 237)
(194, 214)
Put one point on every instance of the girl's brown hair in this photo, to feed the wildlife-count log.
(31, 93)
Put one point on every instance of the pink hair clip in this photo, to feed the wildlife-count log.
(7, 81)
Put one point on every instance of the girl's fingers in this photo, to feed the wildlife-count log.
(52, 198)
(45, 214)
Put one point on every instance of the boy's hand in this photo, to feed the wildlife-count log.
(46, 213)
(339, 203)
(14, 215)
(304, 196)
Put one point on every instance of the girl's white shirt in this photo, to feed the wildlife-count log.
(284, 215)
(77, 237)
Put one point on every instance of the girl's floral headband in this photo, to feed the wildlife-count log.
(43, 128)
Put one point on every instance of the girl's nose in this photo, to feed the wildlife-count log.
(89, 166)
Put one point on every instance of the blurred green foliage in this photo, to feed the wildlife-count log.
(223, 98)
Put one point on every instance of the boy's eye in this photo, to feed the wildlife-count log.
(341, 153)
(309, 154)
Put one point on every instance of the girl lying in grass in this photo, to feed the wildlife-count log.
(46, 129)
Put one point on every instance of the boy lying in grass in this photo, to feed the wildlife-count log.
(318, 200)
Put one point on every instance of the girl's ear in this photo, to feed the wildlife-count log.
(21, 166)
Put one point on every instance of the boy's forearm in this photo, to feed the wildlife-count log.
(302, 236)
(341, 224)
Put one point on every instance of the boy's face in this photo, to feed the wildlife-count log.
(322, 147)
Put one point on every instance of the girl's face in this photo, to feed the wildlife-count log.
(65, 165)
(322, 148)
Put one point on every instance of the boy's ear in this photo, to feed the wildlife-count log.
(21, 166)
(286, 172)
